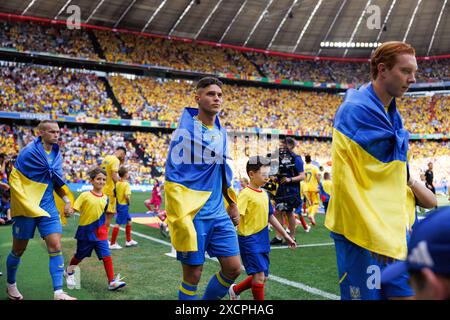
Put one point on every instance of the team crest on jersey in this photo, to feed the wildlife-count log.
(355, 293)
(211, 136)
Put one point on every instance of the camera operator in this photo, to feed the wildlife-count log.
(287, 197)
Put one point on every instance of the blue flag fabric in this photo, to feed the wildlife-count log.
(30, 178)
(191, 162)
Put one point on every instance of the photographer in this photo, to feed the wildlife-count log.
(287, 197)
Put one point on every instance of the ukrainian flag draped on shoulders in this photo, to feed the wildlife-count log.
(30, 178)
(190, 164)
(369, 153)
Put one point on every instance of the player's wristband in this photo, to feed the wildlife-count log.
(66, 200)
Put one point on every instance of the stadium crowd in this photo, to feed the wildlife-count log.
(246, 107)
(279, 67)
(64, 92)
(153, 99)
(191, 56)
(130, 48)
(84, 149)
(8, 143)
(147, 152)
(41, 37)
(426, 115)
(54, 90)
(311, 70)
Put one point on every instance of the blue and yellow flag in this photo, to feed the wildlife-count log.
(369, 152)
(191, 163)
(30, 178)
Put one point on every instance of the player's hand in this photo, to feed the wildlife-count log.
(285, 180)
(68, 211)
(290, 242)
(233, 213)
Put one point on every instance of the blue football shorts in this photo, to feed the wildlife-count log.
(360, 274)
(123, 215)
(216, 236)
(24, 227)
(256, 262)
(85, 248)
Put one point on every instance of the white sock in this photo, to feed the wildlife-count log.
(11, 285)
(58, 292)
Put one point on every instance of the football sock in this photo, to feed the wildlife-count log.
(12, 263)
(244, 285)
(109, 268)
(114, 235)
(187, 291)
(258, 291)
(128, 232)
(303, 222)
(56, 267)
(217, 287)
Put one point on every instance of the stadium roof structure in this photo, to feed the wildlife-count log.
(292, 26)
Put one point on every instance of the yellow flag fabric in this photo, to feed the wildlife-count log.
(368, 204)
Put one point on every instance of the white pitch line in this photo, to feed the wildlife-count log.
(305, 245)
(304, 287)
(294, 284)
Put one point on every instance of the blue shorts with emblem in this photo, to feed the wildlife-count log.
(85, 248)
(360, 274)
(24, 227)
(123, 214)
(256, 262)
(216, 236)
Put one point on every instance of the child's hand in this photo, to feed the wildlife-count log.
(291, 243)
(68, 211)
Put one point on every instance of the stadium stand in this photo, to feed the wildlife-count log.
(190, 56)
(54, 90)
(61, 91)
(83, 149)
(130, 48)
(40, 37)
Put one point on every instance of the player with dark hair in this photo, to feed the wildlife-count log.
(198, 179)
